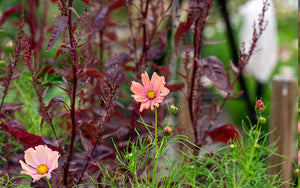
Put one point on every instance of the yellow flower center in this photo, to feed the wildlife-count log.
(42, 169)
(151, 94)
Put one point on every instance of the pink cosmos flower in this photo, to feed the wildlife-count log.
(40, 162)
(151, 93)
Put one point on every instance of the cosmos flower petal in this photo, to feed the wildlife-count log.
(146, 80)
(154, 103)
(137, 88)
(139, 98)
(145, 105)
(159, 99)
(36, 177)
(52, 161)
(164, 91)
(27, 169)
(30, 159)
(41, 154)
(156, 81)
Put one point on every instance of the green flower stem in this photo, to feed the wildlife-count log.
(156, 153)
(233, 183)
(161, 146)
(169, 120)
(48, 182)
(251, 154)
(136, 178)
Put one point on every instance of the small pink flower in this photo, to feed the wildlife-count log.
(151, 93)
(40, 162)
(259, 105)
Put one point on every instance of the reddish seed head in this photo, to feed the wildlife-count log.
(259, 105)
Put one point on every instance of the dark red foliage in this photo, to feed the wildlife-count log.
(60, 24)
(184, 27)
(223, 133)
(89, 2)
(102, 16)
(214, 69)
(28, 140)
(159, 50)
(175, 87)
(12, 10)
(162, 69)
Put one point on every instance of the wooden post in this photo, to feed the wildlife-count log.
(283, 123)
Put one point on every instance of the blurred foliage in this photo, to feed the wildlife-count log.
(286, 15)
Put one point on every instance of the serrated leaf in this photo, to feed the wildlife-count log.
(60, 24)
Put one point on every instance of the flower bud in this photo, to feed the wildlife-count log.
(173, 109)
(262, 119)
(168, 130)
(259, 106)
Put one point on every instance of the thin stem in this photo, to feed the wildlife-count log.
(156, 154)
(233, 176)
(135, 177)
(141, 63)
(101, 47)
(251, 155)
(48, 182)
(169, 120)
(73, 53)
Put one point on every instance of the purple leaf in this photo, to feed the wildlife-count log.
(11, 107)
(103, 15)
(54, 101)
(158, 52)
(60, 24)
(213, 69)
